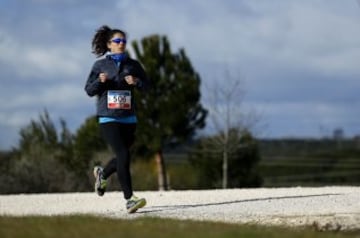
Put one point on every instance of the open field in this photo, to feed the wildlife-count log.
(325, 208)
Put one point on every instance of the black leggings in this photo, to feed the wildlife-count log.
(120, 137)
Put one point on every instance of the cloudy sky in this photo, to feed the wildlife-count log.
(298, 60)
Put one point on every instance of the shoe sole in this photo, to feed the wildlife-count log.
(141, 203)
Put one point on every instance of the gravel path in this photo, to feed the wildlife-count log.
(326, 208)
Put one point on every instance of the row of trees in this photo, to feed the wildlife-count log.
(169, 115)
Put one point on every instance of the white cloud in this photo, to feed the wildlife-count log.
(31, 61)
(50, 62)
(57, 95)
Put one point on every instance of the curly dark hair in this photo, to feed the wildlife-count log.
(101, 38)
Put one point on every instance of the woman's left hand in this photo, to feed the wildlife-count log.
(131, 80)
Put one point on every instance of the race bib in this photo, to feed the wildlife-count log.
(119, 99)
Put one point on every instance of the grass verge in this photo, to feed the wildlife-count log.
(91, 226)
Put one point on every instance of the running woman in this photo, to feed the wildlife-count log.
(113, 79)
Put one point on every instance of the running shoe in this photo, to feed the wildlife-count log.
(134, 203)
(100, 182)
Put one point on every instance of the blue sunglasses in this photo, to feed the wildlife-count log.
(118, 40)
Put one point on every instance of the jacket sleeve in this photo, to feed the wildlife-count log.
(144, 82)
(93, 85)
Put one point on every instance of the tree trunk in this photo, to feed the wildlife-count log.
(160, 164)
(225, 170)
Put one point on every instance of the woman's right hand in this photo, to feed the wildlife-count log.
(103, 77)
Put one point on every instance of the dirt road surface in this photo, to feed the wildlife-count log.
(326, 208)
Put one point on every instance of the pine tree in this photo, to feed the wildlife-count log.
(171, 112)
(43, 157)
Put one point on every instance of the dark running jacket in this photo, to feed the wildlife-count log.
(115, 82)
